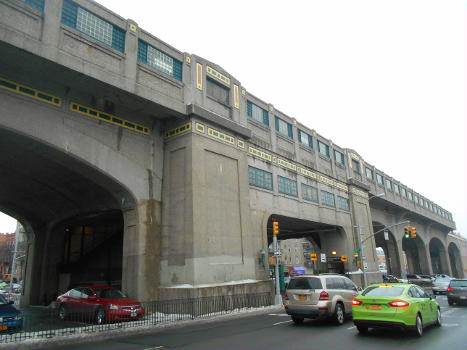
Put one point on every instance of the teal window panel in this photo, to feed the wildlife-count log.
(339, 157)
(257, 113)
(260, 178)
(305, 139)
(36, 4)
(282, 127)
(323, 149)
(93, 26)
(327, 198)
(343, 203)
(287, 186)
(310, 193)
(159, 60)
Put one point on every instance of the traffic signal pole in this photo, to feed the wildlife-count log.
(275, 232)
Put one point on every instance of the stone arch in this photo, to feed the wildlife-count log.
(455, 261)
(391, 249)
(438, 256)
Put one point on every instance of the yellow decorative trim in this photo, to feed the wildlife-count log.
(30, 92)
(243, 92)
(236, 97)
(199, 76)
(286, 164)
(359, 192)
(260, 154)
(132, 27)
(188, 59)
(274, 159)
(108, 118)
(240, 144)
(214, 73)
(308, 173)
(200, 127)
(178, 130)
(221, 136)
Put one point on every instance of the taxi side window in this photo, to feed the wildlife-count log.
(421, 292)
(412, 293)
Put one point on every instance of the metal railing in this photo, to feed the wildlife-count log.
(44, 322)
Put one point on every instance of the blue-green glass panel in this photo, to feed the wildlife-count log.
(118, 39)
(142, 52)
(69, 13)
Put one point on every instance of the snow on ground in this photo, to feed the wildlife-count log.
(212, 284)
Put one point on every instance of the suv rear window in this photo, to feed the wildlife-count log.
(386, 291)
(305, 283)
(459, 283)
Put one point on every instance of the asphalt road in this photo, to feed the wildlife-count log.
(275, 330)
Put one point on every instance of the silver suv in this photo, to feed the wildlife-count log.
(323, 296)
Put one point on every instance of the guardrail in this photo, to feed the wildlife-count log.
(40, 322)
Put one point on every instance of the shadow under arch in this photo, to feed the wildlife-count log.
(390, 248)
(455, 260)
(46, 189)
(438, 256)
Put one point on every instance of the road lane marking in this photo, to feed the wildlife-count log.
(154, 347)
(450, 324)
(275, 324)
(352, 327)
(278, 315)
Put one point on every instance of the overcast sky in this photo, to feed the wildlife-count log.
(385, 78)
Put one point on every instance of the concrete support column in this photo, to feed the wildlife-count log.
(141, 250)
(32, 294)
(131, 54)
(425, 261)
(51, 28)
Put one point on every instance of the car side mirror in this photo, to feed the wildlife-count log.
(359, 289)
(11, 302)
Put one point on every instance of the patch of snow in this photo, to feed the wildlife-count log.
(213, 284)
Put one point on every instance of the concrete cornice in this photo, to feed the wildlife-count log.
(200, 112)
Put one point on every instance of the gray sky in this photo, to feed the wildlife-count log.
(385, 78)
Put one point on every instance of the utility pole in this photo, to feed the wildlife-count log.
(362, 254)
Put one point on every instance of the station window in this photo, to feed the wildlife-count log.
(403, 192)
(257, 113)
(327, 198)
(36, 4)
(369, 173)
(356, 166)
(396, 189)
(339, 157)
(310, 193)
(323, 149)
(283, 127)
(379, 179)
(88, 23)
(157, 59)
(415, 198)
(409, 196)
(343, 203)
(431, 206)
(287, 186)
(260, 178)
(388, 184)
(305, 139)
(217, 91)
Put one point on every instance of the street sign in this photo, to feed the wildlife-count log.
(365, 265)
(363, 257)
(344, 258)
(386, 235)
(313, 257)
(323, 257)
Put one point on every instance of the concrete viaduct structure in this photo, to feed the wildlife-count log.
(132, 163)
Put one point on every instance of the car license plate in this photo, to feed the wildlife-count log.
(375, 307)
(3, 328)
(133, 314)
(463, 297)
(302, 297)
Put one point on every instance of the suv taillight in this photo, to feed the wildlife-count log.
(286, 297)
(450, 289)
(323, 295)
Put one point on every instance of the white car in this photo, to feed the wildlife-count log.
(440, 284)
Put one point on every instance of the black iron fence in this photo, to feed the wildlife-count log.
(40, 322)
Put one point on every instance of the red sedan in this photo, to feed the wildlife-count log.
(98, 303)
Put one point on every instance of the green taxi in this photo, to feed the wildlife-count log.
(400, 305)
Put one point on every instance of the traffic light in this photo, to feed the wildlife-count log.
(406, 231)
(413, 232)
(275, 228)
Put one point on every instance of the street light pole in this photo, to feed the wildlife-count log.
(278, 298)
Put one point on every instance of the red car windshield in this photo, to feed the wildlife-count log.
(110, 293)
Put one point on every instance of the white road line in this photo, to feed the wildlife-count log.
(155, 347)
(450, 324)
(352, 327)
(278, 315)
(275, 324)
